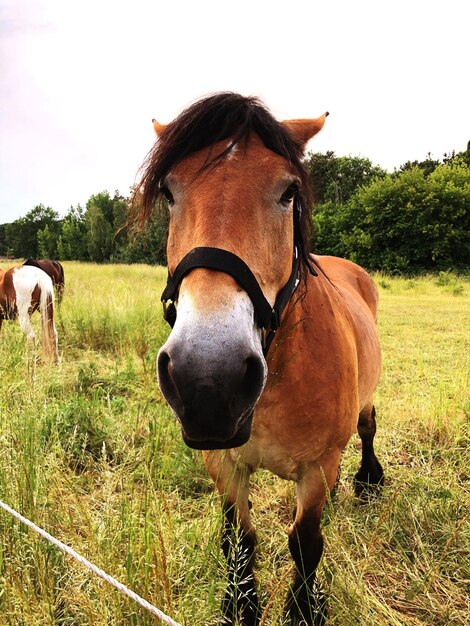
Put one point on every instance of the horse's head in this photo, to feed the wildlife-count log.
(233, 179)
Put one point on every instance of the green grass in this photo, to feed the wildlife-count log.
(90, 451)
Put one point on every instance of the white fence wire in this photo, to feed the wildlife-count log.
(96, 570)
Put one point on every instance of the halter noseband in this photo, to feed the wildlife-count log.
(267, 317)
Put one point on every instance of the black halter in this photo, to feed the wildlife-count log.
(267, 317)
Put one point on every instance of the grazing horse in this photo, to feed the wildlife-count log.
(24, 289)
(53, 269)
(274, 356)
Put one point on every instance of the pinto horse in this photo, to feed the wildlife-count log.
(23, 290)
(273, 358)
(53, 269)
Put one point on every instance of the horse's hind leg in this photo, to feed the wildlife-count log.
(238, 540)
(370, 473)
(24, 321)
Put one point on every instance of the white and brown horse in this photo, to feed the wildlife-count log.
(274, 357)
(53, 269)
(23, 290)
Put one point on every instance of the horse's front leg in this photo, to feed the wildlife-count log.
(238, 540)
(305, 603)
(238, 545)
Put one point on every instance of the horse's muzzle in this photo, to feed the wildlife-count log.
(213, 397)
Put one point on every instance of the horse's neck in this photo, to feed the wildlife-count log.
(313, 303)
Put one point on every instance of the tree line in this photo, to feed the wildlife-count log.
(416, 218)
(97, 233)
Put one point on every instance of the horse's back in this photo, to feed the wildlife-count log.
(33, 262)
(26, 278)
(53, 269)
(18, 289)
(347, 275)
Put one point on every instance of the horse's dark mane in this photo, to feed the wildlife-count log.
(210, 120)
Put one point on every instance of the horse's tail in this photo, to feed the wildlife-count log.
(46, 306)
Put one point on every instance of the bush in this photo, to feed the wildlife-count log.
(405, 221)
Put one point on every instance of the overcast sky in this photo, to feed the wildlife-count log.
(80, 81)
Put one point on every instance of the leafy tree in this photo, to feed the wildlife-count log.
(335, 179)
(462, 157)
(322, 171)
(120, 213)
(410, 220)
(47, 243)
(104, 203)
(62, 251)
(427, 166)
(106, 218)
(73, 242)
(3, 240)
(328, 224)
(22, 234)
(466, 154)
(100, 234)
(148, 245)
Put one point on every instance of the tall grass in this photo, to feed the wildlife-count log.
(90, 451)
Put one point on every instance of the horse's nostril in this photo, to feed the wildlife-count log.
(253, 379)
(163, 367)
(166, 382)
(163, 361)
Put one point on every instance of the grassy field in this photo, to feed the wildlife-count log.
(90, 452)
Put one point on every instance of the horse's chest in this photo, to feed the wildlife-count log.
(265, 454)
(295, 425)
(286, 446)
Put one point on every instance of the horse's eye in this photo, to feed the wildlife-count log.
(167, 193)
(289, 193)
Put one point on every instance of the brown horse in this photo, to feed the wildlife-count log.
(274, 357)
(53, 269)
(23, 290)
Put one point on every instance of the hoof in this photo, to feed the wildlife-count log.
(307, 612)
(368, 481)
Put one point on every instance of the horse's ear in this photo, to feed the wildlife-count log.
(158, 128)
(305, 129)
